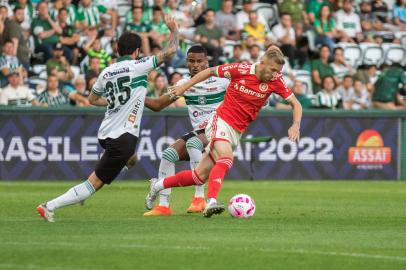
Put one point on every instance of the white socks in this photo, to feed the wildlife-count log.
(167, 168)
(195, 156)
(74, 195)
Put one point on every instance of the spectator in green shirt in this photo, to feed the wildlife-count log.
(14, 32)
(141, 28)
(28, 13)
(159, 31)
(238, 52)
(69, 37)
(296, 9)
(149, 11)
(59, 66)
(94, 49)
(328, 97)
(324, 25)
(89, 14)
(321, 68)
(72, 13)
(386, 94)
(313, 8)
(45, 31)
(53, 96)
(298, 90)
(211, 37)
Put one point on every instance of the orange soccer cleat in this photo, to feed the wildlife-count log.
(159, 211)
(197, 205)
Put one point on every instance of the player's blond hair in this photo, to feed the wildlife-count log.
(275, 54)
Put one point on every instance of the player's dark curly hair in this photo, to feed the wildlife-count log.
(128, 43)
(197, 49)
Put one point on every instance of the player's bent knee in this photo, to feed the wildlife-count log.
(96, 182)
(202, 174)
(195, 143)
(170, 154)
(199, 179)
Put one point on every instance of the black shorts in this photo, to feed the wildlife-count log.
(192, 134)
(117, 152)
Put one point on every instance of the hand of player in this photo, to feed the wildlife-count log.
(171, 23)
(294, 133)
(177, 90)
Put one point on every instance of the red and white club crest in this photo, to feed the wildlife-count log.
(263, 87)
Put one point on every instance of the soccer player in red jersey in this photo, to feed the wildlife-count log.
(248, 91)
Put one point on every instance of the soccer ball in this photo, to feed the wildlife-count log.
(241, 206)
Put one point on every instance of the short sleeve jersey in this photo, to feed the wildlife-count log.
(124, 84)
(246, 95)
(203, 98)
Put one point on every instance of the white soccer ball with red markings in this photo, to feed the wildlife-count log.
(241, 206)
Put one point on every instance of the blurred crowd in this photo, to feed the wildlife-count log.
(53, 51)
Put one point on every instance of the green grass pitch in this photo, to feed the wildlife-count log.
(297, 225)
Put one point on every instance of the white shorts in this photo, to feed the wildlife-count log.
(219, 130)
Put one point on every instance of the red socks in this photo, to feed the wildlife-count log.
(217, 175)
(190, 178)
(183, 179)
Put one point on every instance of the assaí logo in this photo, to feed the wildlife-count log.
(369, 152)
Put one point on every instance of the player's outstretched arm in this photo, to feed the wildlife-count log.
(294, 130)
(199, 77)
(157, 104)
(97, 100)
(173, 43)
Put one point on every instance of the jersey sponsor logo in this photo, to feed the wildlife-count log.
(227, 67)
(203, 125)
(201, 113)
(244, 66)
(109, 74)
(133, 114)
(132, 118)
(142, 60)
(263, 87)
(248, 91)
(243, 71)
(211, 89)
(116, 110)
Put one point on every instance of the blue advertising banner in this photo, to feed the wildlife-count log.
(65, 147)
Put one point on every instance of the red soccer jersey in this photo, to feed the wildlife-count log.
(246, 95)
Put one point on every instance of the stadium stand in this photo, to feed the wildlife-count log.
(34, 29)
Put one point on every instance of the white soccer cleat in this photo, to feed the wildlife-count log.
(46, 214)
(213, 208)
(153, 193)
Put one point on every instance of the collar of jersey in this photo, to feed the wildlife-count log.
(124, 58)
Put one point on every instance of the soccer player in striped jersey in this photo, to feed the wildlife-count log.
(121, 88)
(202, 100)
(248, 91)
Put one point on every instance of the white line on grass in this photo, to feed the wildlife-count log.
(86, 245)
(348, 254)
(157, 246)
(34, 267)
